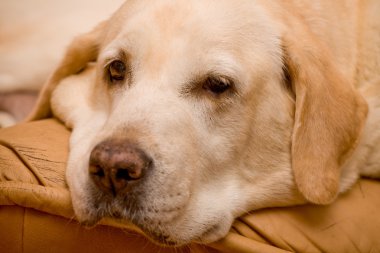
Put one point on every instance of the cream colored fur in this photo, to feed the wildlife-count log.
(291, 132)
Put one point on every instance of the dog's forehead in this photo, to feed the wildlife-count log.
(175, 17)
(192, 35)
(168, 24)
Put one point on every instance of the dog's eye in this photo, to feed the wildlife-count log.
(116, 71)
(217, 85)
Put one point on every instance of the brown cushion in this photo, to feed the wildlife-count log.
(36, 212)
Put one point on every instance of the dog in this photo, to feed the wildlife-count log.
(188, 114)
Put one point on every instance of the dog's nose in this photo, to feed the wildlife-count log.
(115, 164)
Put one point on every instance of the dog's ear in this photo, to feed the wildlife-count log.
(329, 116)
(80, 52)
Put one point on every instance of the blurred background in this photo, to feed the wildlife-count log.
(33, 38)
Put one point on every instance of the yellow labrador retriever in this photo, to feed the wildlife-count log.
(187, 114)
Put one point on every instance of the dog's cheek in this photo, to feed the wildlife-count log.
(219, 198)
(82, 139)
(77, 180)
(222, 139)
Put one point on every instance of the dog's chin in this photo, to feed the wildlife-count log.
(215, 232)
(172, 235)
(183, 230)
(169, 238)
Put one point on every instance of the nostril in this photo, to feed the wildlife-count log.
(100, 177)
(130, 173)
(123, 174)
(96, 170)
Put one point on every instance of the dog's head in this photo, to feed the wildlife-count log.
(187, 114)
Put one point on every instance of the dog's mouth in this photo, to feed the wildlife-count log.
(158, 232)
(156, 221)
(168, 233)
(163, 234)
(154, 229)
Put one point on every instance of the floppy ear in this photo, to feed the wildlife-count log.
(329, 117)
(81, 51)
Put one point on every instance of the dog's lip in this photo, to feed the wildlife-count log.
(157, 230)
(160, 236)
(209, 232)
(166, 240)
(156, 234)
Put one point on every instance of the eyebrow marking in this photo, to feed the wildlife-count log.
(119, 55)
